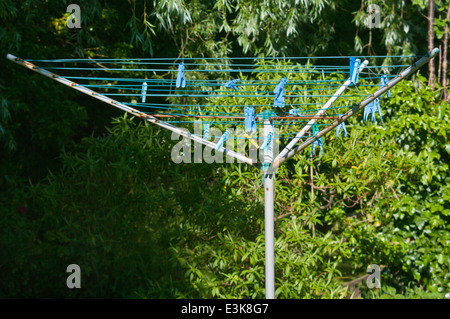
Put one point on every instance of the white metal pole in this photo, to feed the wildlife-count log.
(269, 177)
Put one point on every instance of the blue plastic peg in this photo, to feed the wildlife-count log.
(368, 110)
(250, 120)
(181, 80)
(339, 127)
(206, 131)
(295, 111)
(265, 145)
(355, 73)
(279, 91)
(384, 82)
(232, 84)
(317, 141)
(222, 140)
(144, 91)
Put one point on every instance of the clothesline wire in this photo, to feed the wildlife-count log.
(187, 113)
(223, 58)
(205, 82)
(167, 88)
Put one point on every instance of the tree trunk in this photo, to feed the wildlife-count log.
(439, 70)
(431, 42)
(439, 64)
(445, 56)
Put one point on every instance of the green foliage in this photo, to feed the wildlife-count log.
(139, 225)
(135, 224)
(413, 293)
(101, 212)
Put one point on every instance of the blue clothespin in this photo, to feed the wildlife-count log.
(339, 127)
(317, 141)
(181, 81)
(295, 111)
(354, 72)
(144, 91)
(371, 109)
(367, 110)
(206, 131)
(352, 66)
(250, 121)
(279, 91)
(222, 140)
(384, 82)
(232, 84)
(376, 107)
(265, 145)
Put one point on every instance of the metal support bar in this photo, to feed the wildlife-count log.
(128, 109)
(408, 71)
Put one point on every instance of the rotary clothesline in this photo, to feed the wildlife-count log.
(160, 87)
(370, 102)
(199, 88)
(186, 88)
